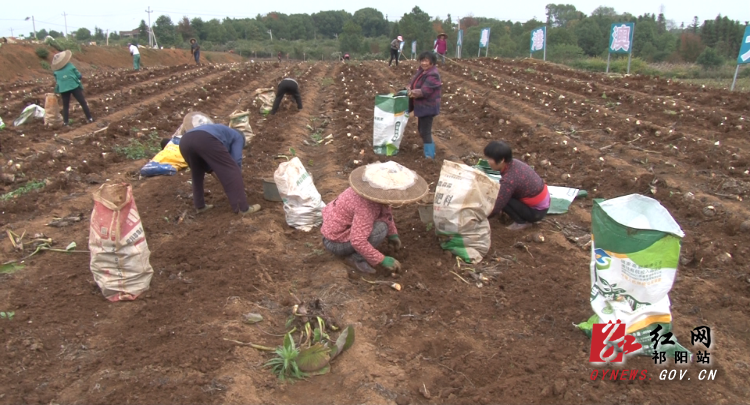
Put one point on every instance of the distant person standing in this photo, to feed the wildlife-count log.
(287, 86)
(136, 56)
(441, 46)
(279, 56)
(196, 50)
(395, 49)
(68, 82)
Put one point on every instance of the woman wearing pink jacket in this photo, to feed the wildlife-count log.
(441, 46)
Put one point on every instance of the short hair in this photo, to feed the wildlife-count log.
(499, 151)
(429, 55)
(164, 142)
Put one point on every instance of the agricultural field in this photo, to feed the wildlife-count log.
(438, 339)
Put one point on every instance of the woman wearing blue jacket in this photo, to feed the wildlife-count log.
(68, 82)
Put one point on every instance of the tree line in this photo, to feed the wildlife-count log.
(571, 34)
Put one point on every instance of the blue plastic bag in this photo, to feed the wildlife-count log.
(158, 169)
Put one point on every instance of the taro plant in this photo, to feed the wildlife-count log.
(284, 365)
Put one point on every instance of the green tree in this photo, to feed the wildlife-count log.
(328, 24)
(215, 31)
(98, 34)
(83, 34)
(114, 36)
(143, 31)
(417, 26)
(199, 28)
(300, 27)
(710, 59)
(372, 22)
(351, 39)
(690, 46)
(590, 37)
(560, 15)
(164, 29)
(184, 29)
(42, 33)
(55, 34)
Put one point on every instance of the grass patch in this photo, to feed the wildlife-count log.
(41, 52)
(743, 84)
(140, 149)
(46, 65)
(326, 81)
(26, 188)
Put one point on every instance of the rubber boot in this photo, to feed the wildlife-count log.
(429, 150)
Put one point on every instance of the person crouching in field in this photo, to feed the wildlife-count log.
(360, 218)
(286, 86)
(216, 149)
(523, 194)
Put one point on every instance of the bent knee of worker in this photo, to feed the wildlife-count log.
(379, 232)
(338, 248)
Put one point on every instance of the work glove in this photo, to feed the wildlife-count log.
(204, 209)
(251, 210)
(395, 241)
(391, 264)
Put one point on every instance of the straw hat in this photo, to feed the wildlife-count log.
(388, 183)
(61, 59)
(192, 39)
(442, 34)
(195, 119)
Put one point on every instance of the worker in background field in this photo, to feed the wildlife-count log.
(346, 57)
(360, 218)
(215, 149)
(395, 49)
(67, 83)
(424, 93)
(441, 46)
(136, 56)
(196, 50)
(279, 56)
(523, 194)
(287, 86)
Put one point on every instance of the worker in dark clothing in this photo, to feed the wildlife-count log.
(216, 149)
(287, 86)
(523, 194)
(395, 49)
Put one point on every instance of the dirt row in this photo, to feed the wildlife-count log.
(460, 343)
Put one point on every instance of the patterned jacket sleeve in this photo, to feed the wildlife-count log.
(360, 233)
(387, 216)
(507, 186)
(431, 84)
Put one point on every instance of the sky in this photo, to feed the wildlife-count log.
(126, 15)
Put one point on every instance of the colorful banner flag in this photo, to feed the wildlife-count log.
(538, 39)
(744, 56)
(621, 38)
(484, 39)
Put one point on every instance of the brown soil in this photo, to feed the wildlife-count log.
(509, 342)
(21, 64)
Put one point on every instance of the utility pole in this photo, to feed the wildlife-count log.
(66, 24)
(11, 33)
(107, 37)
(33, 25)
(150, 31)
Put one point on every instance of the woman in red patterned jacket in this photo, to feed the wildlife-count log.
(359, 220)
(523, 194)
(424, 90)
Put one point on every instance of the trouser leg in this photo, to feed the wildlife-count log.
(78, 94)
(521, 213)
(65, 106)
